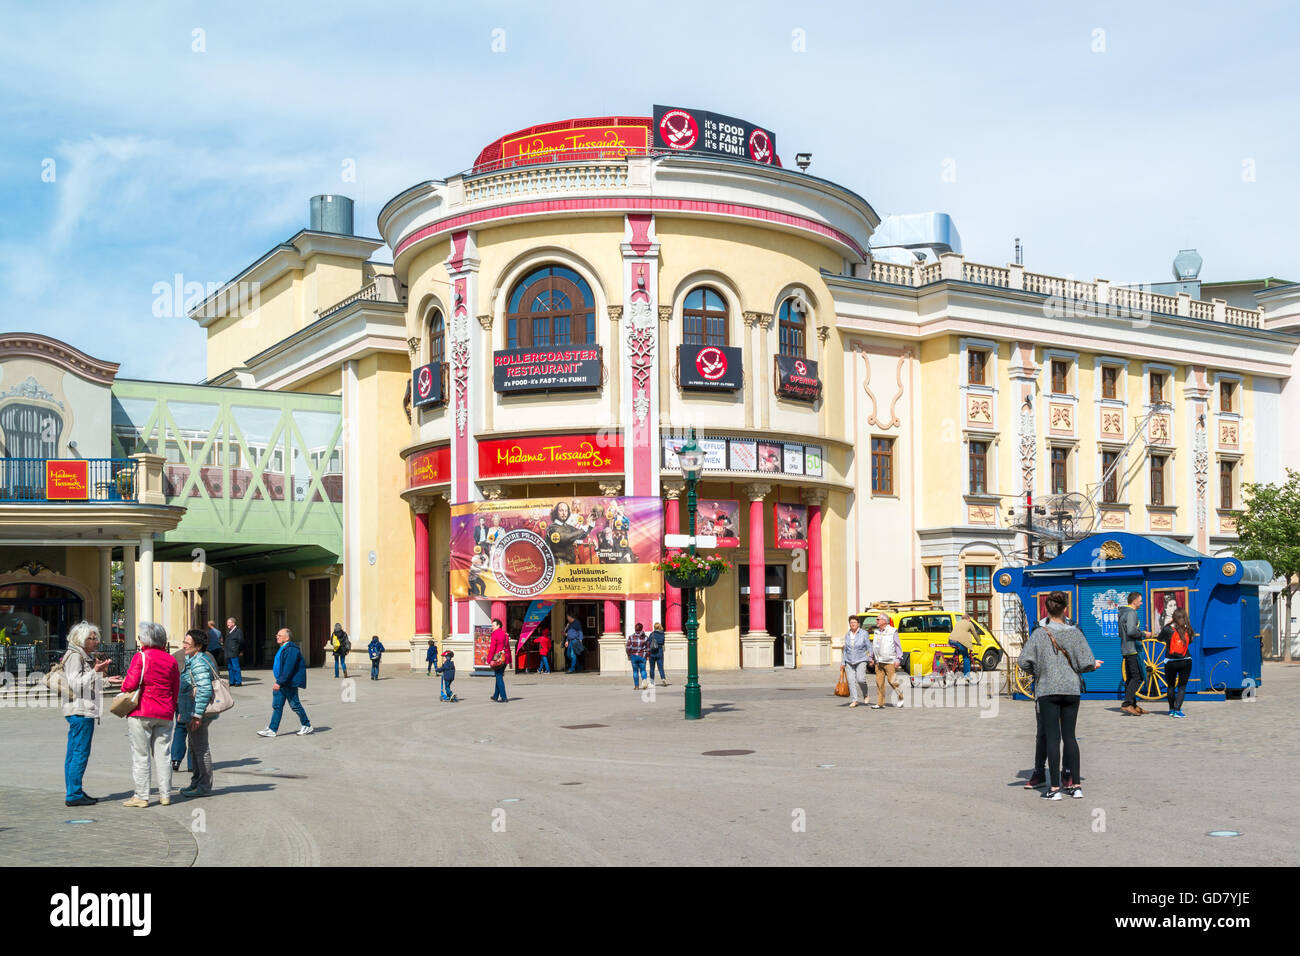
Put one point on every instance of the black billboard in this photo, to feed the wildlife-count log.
(697, 131)
(710, 367)
(546, 369)
(797, 378)
(426, 385)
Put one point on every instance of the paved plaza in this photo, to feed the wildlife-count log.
(584, 770)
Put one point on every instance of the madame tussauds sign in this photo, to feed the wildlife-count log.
(587, 453)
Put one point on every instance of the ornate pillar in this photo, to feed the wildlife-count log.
(815, 646)
(674, 636)
(464, 399)
(104, 600)
(423, 617)
(1196, 394)
(613, 655)
(640, 379)
(756, 644)
(133, 599)
(144, 584)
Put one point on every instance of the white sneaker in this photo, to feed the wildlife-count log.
(268, 732)
(304, 731)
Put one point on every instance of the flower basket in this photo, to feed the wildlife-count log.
(693, 578)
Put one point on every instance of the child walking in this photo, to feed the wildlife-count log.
(376, 651)
(431, 658)
(448, 673)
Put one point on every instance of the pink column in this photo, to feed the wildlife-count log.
(672, 595)
(423, 617)
(814, 567)
(499, 612)
(757, 567)
(612, 623)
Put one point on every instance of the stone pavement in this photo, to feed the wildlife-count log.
(584, 770)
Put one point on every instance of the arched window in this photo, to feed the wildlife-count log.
(792, 328)
(704, 318)
(437, 336)
(550, 306)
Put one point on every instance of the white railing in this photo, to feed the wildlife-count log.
(1235, 316)
(894, 273)
(542, 180)
(1202, 310)
(368, 293)
(986, 275)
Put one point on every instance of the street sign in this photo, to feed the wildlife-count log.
(685, 541)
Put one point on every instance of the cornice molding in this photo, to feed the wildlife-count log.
(42, 347)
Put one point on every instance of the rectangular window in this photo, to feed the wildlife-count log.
(979, 462)
(882, 466)
(975, 362)
(1157, 388)
(1109, 471)
(1060, 376)
(1109, 381)
(1158, 480)
(979, 593)
(934, 580)
(1225, 396)
(1060, 458)
(1225, 485)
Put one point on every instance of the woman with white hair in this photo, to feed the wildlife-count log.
(83, 674)
(149, 726)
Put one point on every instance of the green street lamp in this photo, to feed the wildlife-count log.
(691, 457)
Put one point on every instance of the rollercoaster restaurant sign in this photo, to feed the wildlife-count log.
(546, 369)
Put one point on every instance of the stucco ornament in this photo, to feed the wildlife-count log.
(1201, 467)
(641, 350)
(1028, 446)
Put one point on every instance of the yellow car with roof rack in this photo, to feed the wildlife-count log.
(924, 628)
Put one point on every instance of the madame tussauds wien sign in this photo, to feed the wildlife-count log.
(544, 369)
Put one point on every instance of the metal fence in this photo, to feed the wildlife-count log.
(106, 479)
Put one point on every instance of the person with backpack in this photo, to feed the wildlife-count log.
(573, 642)
(656, 649)
(340, 645)
(1055, 656)
(448, 674)
(1177, 638)
(430, 658)
(376, 652)
(636, 651)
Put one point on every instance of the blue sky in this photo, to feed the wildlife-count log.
(1178, 132)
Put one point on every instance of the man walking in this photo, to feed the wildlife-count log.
(290, 672)
(573, 642)
(1129, 634)
(657, 654)
(637, 644)
(232, 645)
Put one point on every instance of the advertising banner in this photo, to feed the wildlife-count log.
(537, 612)
(67, 480)
(482, 644)
(791, 526)
(770, 457)
(715, 452)
(613, 141)
(539, 547)
(709, 367)
(426, 385)
(797, 378)
(432, 467)
(546, 369)
(793, 462)
(745, 454)
(721, 519)
(698, 131)
(588, 453)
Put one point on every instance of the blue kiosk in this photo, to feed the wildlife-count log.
(1220, 595)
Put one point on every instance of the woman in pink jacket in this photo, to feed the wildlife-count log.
(149, 726)
(498, 658)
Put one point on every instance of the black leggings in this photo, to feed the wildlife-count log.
(1176, 673)
(1060, 712)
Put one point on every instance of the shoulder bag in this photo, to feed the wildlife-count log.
(57, 681)
(222, 699)
(125, 703)
(842, 687)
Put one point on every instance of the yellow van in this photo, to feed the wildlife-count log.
(923, 629)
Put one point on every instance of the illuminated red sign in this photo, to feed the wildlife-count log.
(432, 467)
(67, 480)
(596, 142)
(591, 453)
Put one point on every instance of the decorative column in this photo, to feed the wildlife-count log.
(756, 644)
(464, 399)
(145, 580)
(423, 617)
(639, 381)
(133, 599)
(613, 655)
(815, 646)
(105, 594)
(1196, 394)
(674, 636)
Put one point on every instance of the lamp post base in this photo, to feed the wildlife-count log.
(694, 701)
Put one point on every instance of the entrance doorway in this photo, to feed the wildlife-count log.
(773, 606)
(253, 623)
(318, 619)
(39, 614)
(588, 615)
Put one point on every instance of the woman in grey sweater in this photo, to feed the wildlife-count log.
(1055, 655)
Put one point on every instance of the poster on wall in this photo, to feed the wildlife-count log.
(544, 370)
(812, 460)
(587, 453)
(482, 643)
(709, 367)
(715, 452)
(744, 455)
(689, 130)
(1164, 601)
(791, 526)
(426, 385)
(67, 480)
(769, 458)
(797, 378)
(793, 464)
(567, 548)
(1042, 605)
(720, 518)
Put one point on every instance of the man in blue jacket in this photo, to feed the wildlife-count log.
(290, 672)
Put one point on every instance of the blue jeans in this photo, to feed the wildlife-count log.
(499, 692)
(638, 669)
(573, 659)
(446, 690)
(374, 670)
(233, 672)
(656, 659)
(339, 659)
(544, 665)
(180, 735)
(80, 732)
(964, 654)
(286, 695)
